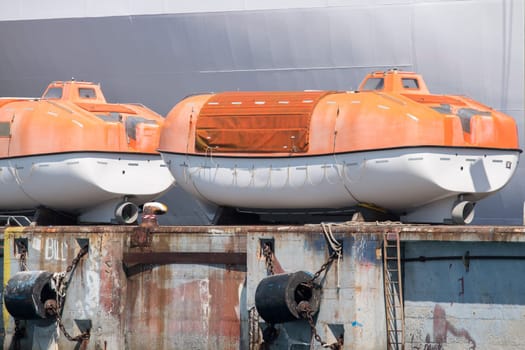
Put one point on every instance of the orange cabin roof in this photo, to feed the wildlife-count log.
(74, 91)
(394, 81)
(391, 109)
(72, 117)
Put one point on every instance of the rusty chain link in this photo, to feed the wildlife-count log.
(52, 309)
(304, 309)
(268, 258)
(270, 333)
(326, 265)
(306, 312)
(56, 309)
(22, 250)
(253, 324)
(20, 331)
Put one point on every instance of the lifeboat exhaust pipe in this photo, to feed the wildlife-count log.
(463, 212)
(127, 213)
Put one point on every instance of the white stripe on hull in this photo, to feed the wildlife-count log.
(75, 181)
(400, 180)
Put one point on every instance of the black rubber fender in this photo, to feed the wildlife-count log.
(26, 293)
(277, 296)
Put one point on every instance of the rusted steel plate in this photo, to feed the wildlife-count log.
(407, 232)
(184, 258)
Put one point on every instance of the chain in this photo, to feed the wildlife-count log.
(268, 258)
(79, 256)
(56, 308)
(326, 265)
(20, 331)
(84, 336)
(22, 249)
(305, 310)
(253, 328)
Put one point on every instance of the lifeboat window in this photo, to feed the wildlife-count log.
(410, 83)
(55, 92)
(87, 93)
(5, 129)
(374, 84)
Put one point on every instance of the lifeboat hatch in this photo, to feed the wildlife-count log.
(256, 122)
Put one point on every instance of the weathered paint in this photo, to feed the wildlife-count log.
(6, 272)
(464, 294)
(173, 294)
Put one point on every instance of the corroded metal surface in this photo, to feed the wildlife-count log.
(174, 305)
(192, 287)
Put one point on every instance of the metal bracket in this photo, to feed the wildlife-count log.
(141, 237)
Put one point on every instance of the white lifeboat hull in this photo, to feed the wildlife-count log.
(82, 182)
(420, 184)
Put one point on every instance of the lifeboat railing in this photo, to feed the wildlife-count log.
(15, 220)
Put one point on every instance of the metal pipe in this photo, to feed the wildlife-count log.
(462, 257)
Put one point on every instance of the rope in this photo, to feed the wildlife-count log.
(336, 247)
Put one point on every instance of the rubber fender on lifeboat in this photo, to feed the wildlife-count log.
(26, 293)
(127, 213)
(277, 297)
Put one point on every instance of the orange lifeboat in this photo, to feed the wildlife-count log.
(391, 146)
(71, 151)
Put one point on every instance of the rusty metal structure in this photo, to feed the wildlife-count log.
(211, 287)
